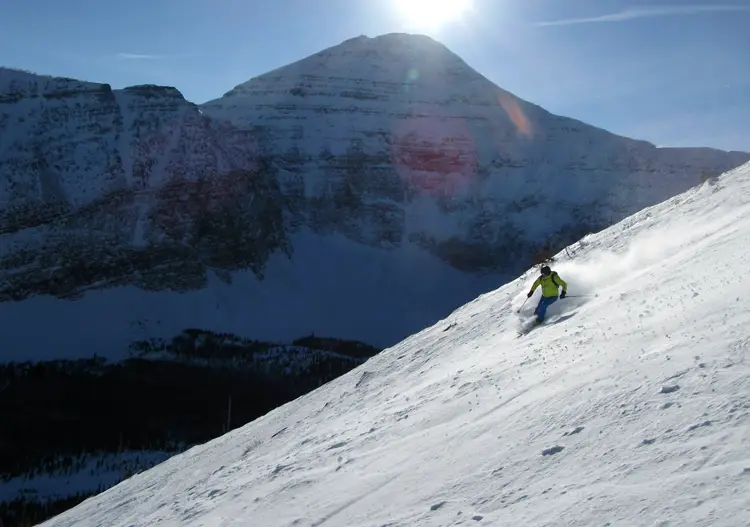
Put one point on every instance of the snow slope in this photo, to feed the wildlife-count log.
(632, 408)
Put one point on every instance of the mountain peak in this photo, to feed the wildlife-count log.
(396, 46)
(392, 58)
(392, 39)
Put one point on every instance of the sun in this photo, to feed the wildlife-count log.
(432, 14)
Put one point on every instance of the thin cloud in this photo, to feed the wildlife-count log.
(139, 56)
(148, 56)
(647, 12)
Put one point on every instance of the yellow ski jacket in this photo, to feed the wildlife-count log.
(548, 284)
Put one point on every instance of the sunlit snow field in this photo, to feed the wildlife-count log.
(628, 408)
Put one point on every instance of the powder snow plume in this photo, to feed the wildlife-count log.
(632, 249)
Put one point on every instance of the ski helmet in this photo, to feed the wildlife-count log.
(546, 270)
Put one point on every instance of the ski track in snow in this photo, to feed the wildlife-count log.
(635, 410)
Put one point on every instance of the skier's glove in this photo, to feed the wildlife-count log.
(562, 295)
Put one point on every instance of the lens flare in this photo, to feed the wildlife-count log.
(515, 114)
(433, 154)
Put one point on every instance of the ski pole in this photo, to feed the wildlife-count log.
(580, 296)
(524, 303)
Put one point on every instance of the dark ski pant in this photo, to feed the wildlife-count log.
(541, 308)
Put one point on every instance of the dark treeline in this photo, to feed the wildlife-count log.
(24, 513)
(53, 412)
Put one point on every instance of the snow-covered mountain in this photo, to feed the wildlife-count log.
(361, 193)
(630, 406)
(417, 147)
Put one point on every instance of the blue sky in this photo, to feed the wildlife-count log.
(677, 74)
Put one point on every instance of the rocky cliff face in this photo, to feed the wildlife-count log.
(362, 193)
(102, 187)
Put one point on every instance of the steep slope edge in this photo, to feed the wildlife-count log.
(637, 395)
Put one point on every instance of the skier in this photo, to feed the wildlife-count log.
(550, 282)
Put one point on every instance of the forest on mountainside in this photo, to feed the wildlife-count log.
(67, 416)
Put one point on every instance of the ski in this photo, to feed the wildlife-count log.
(528, 328)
